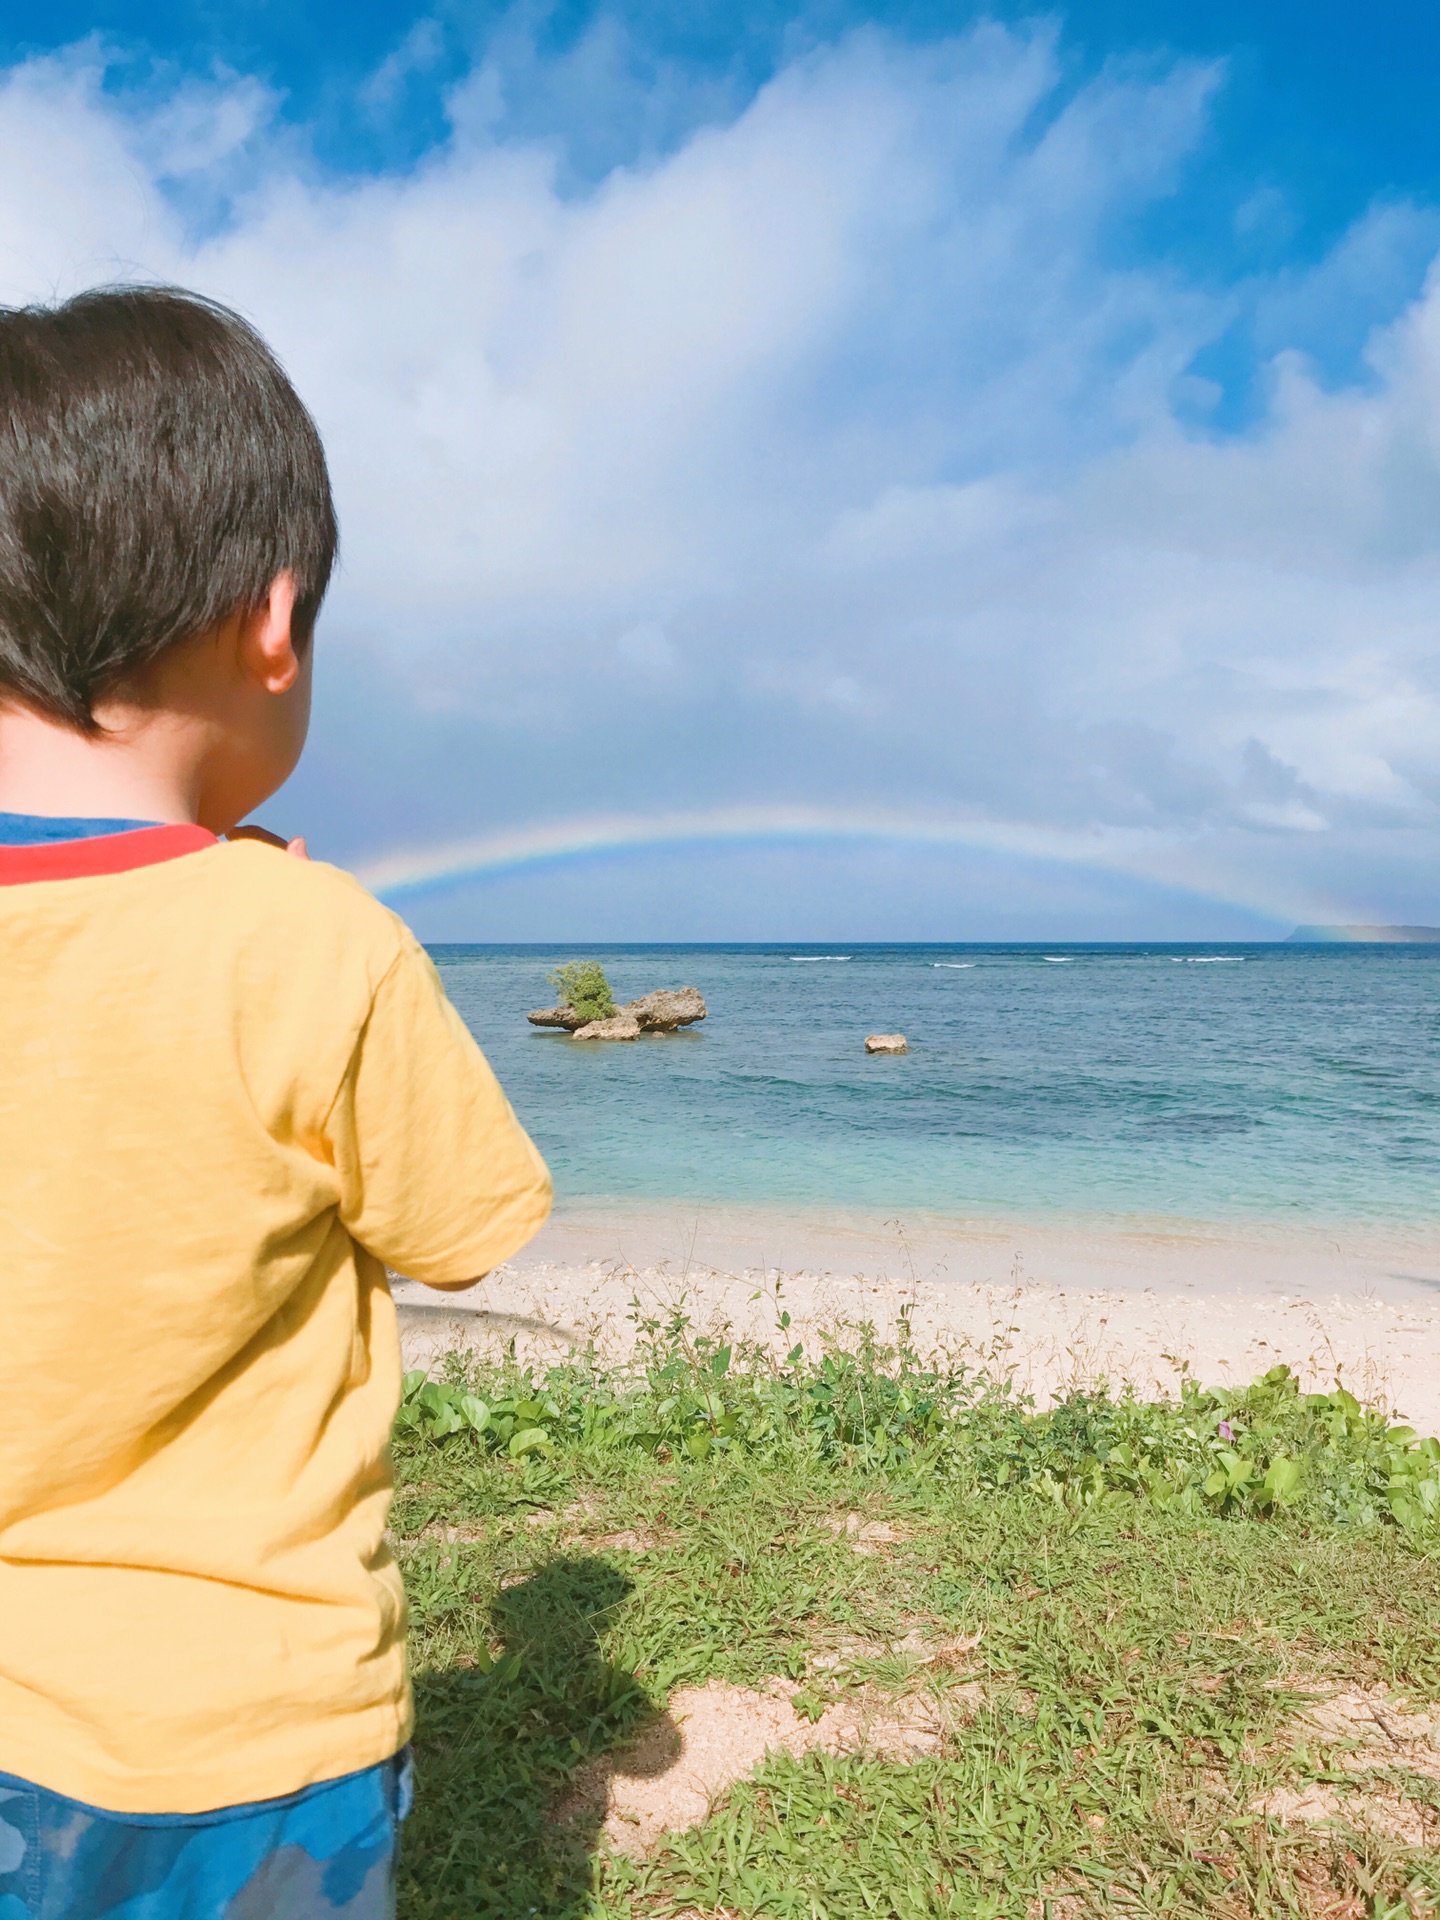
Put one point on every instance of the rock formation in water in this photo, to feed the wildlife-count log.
(619, 1026)
(667, 1009)
(663, 1011)
(886, 1043)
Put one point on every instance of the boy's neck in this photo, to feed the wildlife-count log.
(203, 735)
(137, 768)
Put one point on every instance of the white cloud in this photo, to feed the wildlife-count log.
(844, 441)
(421, 50)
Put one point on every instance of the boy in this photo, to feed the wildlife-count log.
(231, 1089)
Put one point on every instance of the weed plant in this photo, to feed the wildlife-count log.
(581, 984)
(1144, 1596)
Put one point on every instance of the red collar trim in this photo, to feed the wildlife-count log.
(104, 853)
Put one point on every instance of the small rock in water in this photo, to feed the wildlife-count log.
(620, 1026)
(667, 1008)
(886, 1043)
(565, 1017)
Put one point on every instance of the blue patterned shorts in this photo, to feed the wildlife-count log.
(328, 1849)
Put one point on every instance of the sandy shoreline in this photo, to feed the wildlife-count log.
(1056, 1305)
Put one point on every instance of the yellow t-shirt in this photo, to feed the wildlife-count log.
(231, 1087)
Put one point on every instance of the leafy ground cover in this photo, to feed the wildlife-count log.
(1175, 1658)
(581, 984)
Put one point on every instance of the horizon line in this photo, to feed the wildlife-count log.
(1352, 936)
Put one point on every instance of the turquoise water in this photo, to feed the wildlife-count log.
(1279, 1083)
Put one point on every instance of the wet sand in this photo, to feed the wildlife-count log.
(1055, 1304)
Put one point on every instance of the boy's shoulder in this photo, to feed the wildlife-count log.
(276, 871)
(307, 905)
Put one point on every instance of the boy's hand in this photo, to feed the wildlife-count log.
(296, 846)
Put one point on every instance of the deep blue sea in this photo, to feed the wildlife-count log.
(1291, 1084)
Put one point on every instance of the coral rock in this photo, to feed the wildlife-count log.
(618, 1027)
(565, 1017)
(886, 1043)
(667, 1009)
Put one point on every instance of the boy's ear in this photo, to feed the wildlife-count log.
(267, 641)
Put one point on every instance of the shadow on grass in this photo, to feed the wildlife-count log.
(495, 1752)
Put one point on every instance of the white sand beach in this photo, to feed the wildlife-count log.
(1055, 1305)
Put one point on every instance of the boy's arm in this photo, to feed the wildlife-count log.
(438, 1178)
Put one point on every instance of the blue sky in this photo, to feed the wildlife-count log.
(902, 472)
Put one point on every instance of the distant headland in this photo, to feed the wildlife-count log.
(1370, 936)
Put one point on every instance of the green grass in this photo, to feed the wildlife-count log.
(1157, 1594)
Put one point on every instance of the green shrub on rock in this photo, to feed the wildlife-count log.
(581, 984)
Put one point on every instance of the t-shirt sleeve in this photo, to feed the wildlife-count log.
(438, 1177)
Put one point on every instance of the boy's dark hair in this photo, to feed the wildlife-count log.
(157, 471)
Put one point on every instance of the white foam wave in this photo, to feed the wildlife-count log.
(813, 959)
(952, 963)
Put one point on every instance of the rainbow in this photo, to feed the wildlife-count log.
(431, 869)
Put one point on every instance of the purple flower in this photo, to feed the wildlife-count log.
(1227, 1432)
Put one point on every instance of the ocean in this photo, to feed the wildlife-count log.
(1290, 1084)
